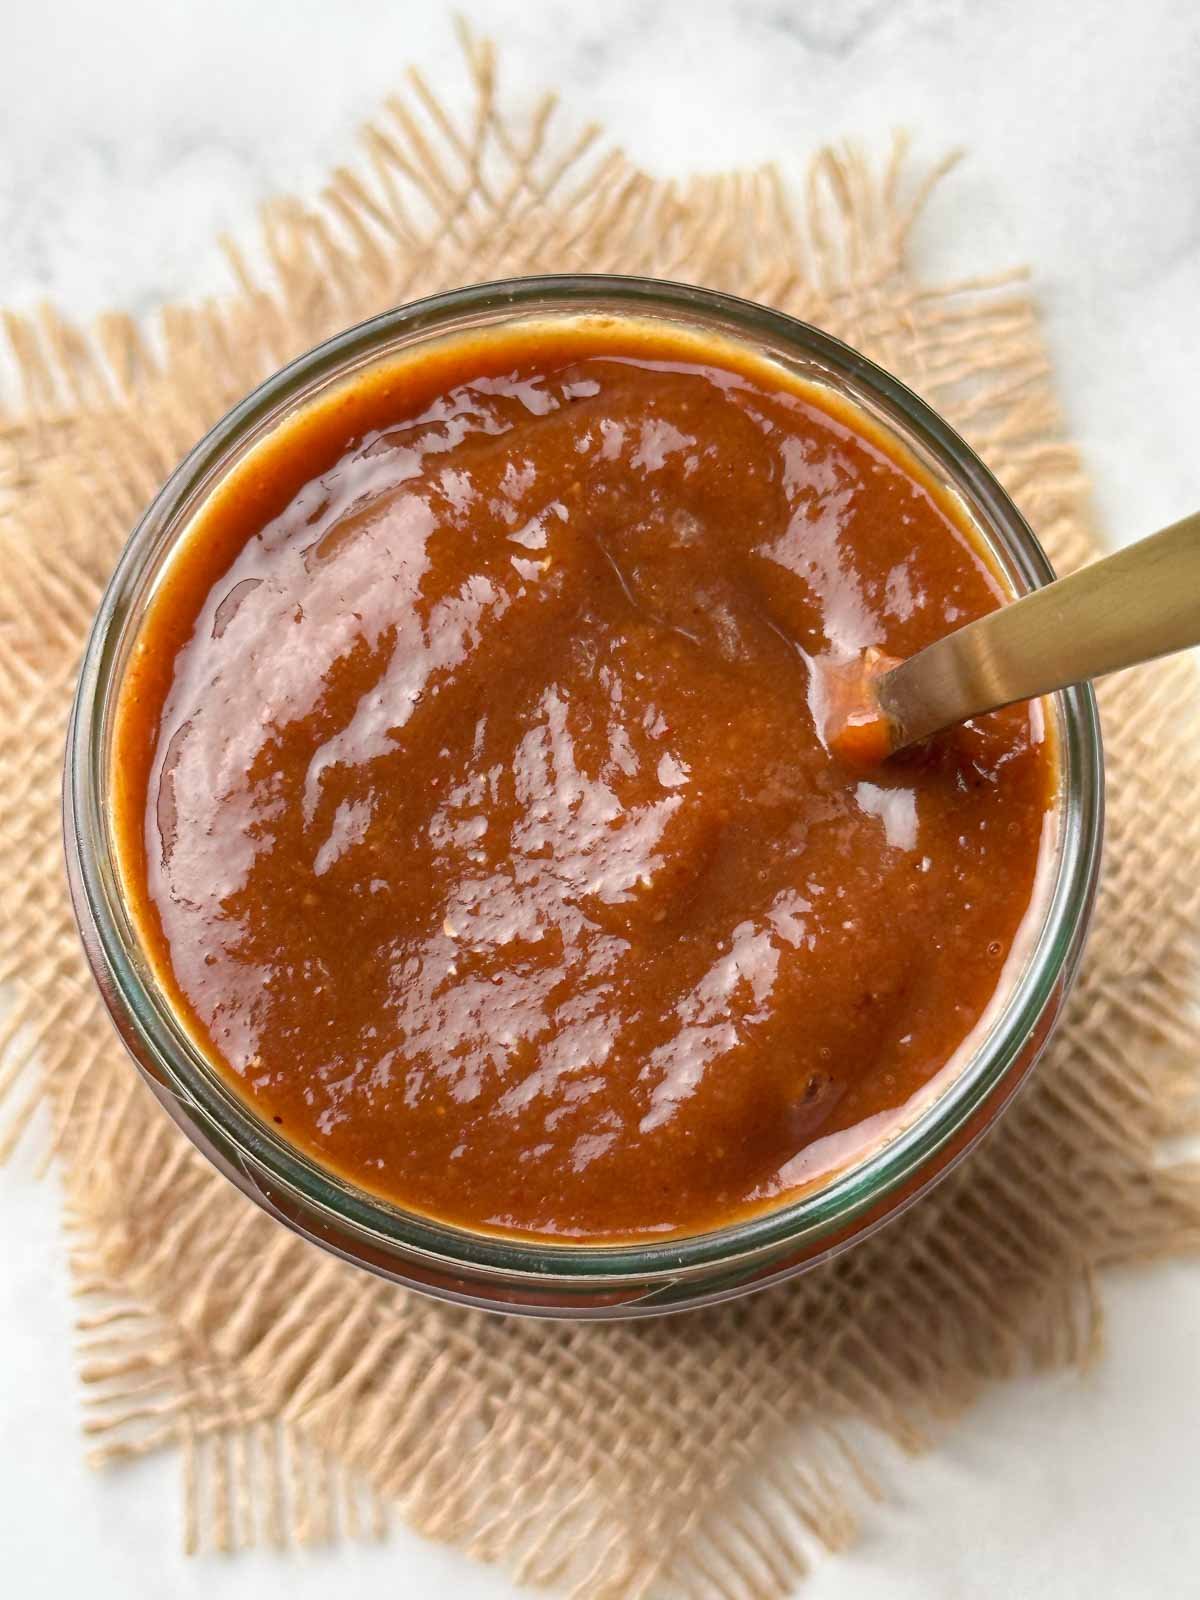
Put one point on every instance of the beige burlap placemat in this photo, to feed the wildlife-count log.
(707, 1454)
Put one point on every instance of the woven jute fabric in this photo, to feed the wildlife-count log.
(711, 1453)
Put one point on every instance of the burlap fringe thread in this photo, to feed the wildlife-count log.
(708, 1455)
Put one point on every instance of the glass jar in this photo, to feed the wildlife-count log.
(512, 1274)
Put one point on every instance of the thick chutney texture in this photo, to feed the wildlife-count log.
(471, 802)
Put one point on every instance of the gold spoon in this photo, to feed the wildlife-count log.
(1134, 606)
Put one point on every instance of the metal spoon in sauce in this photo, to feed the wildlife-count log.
(1134, 606)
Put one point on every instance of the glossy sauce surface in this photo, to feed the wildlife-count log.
(471, 803)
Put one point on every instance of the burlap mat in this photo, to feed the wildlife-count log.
(704, 1454)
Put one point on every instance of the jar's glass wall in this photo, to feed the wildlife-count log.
(500, 1272)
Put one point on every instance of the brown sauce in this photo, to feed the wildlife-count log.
(472, 808)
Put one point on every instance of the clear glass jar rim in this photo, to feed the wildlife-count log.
(146, 1014)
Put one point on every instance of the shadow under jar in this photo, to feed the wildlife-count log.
(450, 833)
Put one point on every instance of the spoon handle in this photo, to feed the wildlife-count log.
(1140, 603)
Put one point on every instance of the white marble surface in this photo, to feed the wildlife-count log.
(130, 133)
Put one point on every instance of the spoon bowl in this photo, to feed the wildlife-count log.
(1134, 606)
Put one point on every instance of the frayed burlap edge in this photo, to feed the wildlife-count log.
(705, 1455)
